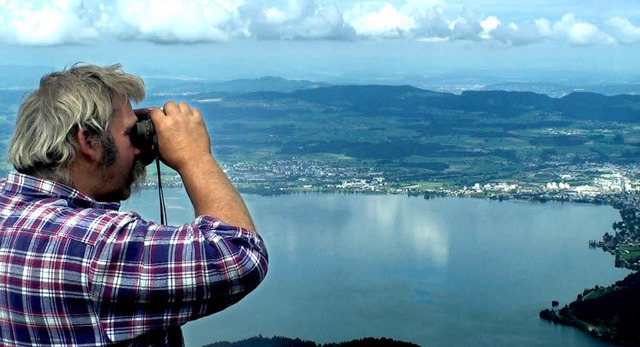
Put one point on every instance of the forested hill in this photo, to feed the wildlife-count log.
(383, 99)
(406, 100)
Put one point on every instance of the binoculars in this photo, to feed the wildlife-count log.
(143, 136)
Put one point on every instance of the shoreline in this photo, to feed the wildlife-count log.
(610, 199)
(607, 313)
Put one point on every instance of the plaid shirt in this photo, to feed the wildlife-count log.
(76, 272)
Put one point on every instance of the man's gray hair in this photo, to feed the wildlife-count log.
(44, 142)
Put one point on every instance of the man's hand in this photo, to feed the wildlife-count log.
(184, 145)
(182, 134)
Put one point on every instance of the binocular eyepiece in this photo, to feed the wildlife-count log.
(143, 136)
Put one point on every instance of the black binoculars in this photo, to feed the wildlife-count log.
(143, 136)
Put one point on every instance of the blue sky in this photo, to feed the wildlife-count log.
(330, 40)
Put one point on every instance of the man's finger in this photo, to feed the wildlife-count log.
(171, 107)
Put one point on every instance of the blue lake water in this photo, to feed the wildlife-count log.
(439, 272)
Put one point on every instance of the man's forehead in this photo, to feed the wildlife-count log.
(122, 111)
(119, 102)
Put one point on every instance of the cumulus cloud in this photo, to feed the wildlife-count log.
(60, 22)
(169, 21)
(53, 22)
(623, 30)
(575, 31)
(385, 22)
(300, 19)
(514, 34)
(466, 27)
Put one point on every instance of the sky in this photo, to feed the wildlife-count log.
(393, 41)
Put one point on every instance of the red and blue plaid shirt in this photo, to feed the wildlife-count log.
(76, 272)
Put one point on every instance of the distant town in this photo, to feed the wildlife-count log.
(588, 182)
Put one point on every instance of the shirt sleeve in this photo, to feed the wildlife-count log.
(145, 276)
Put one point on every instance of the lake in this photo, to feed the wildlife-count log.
(438, 272)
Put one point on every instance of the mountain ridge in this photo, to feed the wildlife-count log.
(373, 98)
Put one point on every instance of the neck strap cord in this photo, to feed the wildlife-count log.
(163, 206)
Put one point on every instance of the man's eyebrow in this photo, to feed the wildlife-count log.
(128, 127)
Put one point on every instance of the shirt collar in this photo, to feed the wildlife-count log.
(17, 183)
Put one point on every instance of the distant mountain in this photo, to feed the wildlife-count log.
(407, 101)
(369, 98)
(264, 84)
(166, 86)
(550, 89)
(615, 89)
(559, 90)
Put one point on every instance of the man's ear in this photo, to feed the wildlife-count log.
(89, 144)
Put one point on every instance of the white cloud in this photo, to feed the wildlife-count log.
(54, 22)
(60, 22)
(431, 23)
(623, 30)
(568, 29)
(516, 35)
(386, 21)
(572, 30)
(301, 19)
(466, 27)
(168, 21)
(490, 23)
(578, 32)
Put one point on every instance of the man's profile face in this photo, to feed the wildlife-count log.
(121, 170)
(137, 174)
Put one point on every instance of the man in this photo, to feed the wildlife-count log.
(74, 271)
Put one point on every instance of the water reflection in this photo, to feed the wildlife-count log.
(377, 229)
(440, 272)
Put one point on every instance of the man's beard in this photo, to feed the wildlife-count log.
(137, 176)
